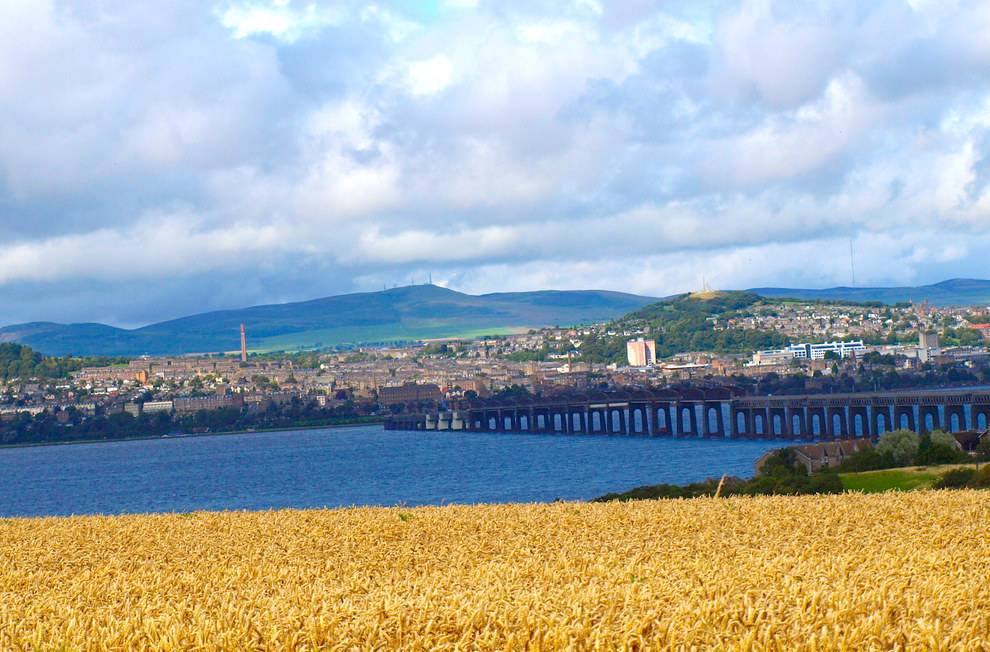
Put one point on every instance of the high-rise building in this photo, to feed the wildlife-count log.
(641, 352)
(928, 340)
(243, 344)
(927, 345)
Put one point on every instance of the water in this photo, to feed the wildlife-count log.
(349, 466)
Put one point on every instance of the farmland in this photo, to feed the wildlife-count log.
(882, 571)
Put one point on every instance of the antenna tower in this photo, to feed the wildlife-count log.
(852, 263)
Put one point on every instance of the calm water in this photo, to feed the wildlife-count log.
(348, 466)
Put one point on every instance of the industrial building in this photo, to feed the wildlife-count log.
(808, 351)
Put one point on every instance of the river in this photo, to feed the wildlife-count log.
(349, 466)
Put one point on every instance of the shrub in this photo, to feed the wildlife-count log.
(867, 460)
(954, 479)
(983, 450)
(941, 437)
(901, 445)
(981, 478)
(939, 447)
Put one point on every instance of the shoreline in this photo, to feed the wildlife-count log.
(74, 442)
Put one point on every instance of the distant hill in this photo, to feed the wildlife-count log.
(413, 312)
(954, 292)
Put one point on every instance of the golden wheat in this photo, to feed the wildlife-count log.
(907, 571)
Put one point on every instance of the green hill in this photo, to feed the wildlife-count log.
(954, 292)
(682, 323)
(413, 312)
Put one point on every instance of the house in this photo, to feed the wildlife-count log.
(822, 455)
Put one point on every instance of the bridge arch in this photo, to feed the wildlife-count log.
(713, 419)
(685, 424)
(881, 423)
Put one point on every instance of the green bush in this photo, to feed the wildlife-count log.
(900, 445)
(955, 479)
(939, 447)
(981, 478)
(941, 437)
(867, 460)
(983, 450)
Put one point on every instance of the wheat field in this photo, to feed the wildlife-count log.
(855, 572)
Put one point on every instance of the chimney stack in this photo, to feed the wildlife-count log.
(243, 345)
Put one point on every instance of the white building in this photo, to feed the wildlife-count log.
(808, 351)
(150, 407)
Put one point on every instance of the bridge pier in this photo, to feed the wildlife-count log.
(802, 430)
(710, 410)
(977, 410)
(644, 419)
(661, 421)
(773, 414)
(739, 422)
(958, 411)
(904, 414)
(759, 423)
(864, 420)
(687, 420)
(882, 414)
(617, 413)
(836, 416)
(924, 411)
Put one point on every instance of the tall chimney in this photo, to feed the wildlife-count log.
(243, 345)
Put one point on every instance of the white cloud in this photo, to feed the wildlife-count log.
(636, 146)
(283, 19)
(430, 76)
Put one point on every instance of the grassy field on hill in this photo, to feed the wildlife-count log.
(906, 478)
(406, 313)
(882, 571)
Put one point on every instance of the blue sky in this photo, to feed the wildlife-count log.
(159, 159)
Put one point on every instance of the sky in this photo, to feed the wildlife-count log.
(159, 159)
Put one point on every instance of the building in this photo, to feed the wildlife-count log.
(808, 351)
(928, 340)
(186, 404)
(641, 352)
(928, 345)
(982, 329)
(151, 407)
(408, 393)
(822, 455)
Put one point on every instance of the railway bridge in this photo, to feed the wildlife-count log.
(715, 412)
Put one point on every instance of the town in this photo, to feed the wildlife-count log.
(823, 347)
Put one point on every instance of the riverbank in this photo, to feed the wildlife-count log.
(369, 422)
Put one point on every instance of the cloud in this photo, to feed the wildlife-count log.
(281, 19)
(240, 151)
(429, 76)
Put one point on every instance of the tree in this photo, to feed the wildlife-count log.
(900, 445)
(939, 447)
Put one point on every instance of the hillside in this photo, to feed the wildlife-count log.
(681, 324)
(954, 292)
(413, 312)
